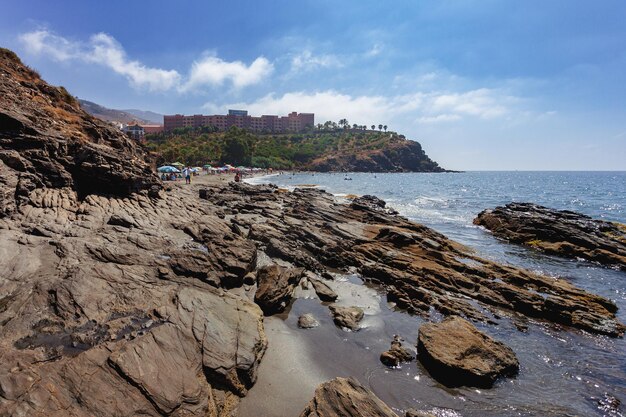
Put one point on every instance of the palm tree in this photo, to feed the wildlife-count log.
(373, 127)
(380, 127)
(343, 123)
(385, 127)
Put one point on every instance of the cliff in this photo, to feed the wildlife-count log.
(396, 155)
(50, 142)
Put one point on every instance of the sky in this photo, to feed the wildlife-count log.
(481, 84)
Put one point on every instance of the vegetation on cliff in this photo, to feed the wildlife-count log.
(326, 148)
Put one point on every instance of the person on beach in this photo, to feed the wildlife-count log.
(187, 174)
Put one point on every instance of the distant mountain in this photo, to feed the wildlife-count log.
(147, 115)
(121, 116)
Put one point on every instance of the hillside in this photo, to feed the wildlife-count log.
(150, 116)
(48, 141)
(121, 116)
(315, 150)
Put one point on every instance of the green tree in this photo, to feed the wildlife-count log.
(373, 127)
(236, 151)
(380, 127)
(385, 127)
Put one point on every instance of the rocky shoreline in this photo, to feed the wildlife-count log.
(558, 232)
(120, 297)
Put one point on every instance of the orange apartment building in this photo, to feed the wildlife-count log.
(293, 122)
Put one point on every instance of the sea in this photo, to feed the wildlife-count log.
(564, 371)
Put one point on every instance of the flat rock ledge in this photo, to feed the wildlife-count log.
(455, 353)
(345, 397)
(558, 232)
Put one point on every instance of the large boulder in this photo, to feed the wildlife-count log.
(456, 353)
(558, 232)
(345, 397)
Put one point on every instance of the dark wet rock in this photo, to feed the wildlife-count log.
(323, 291)
(347, 317)
(275, 287)
(307, 321)
(397, 354)
(558, 232)
(345, 397)
(456, 353)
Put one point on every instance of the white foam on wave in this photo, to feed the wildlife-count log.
(259, 180)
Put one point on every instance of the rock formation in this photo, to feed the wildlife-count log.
(398, 155)
(307, 321)
(49, 142)
(345, 397)
(456, 353)
(323, 291)
(563, 233)
(396, 353)
(347, 317)
(112, 299)
(276, 285)
(418, 267)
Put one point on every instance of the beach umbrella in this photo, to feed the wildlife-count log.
(208, 166)
(167, 169)
(178, 164)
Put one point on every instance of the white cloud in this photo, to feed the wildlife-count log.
(482, 103)
(103, 49)
(440, 118)
(107, 51)
(42, 42)
(424, 108)
(327, 105)
(305, 61)
(212, 70)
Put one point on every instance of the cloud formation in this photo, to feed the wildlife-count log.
(212, 70)
(103, 49)
(306, 61)
(420, 107)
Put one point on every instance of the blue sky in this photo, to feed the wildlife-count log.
(483, 85)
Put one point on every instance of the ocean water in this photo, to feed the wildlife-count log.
(563, 371)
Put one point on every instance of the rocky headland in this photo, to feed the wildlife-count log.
(558, 232)
(121, 297)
